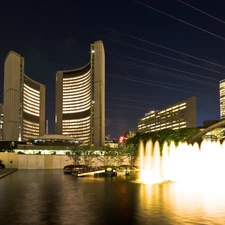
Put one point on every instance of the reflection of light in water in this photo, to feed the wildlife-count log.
(186, 163)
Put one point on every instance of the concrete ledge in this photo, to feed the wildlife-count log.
(6, 172)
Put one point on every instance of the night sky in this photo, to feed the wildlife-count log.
(140, 76)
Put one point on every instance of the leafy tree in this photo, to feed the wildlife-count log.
(106, 158)
(132, 153)
(88, 155)
(120, 155)
(167, 135)
(76, 155)
(83, 155)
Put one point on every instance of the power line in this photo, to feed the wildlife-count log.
(201, 11)
(132, 100)
(162, 55)
(157, 85)
(164, 47)
(128, 106)
(162, 73)
(144, 96)
(155, 64)
(182, 21)
(160, 82)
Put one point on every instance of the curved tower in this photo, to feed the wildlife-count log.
(24, 102)
(80, 100)
(73, 103)
(222, 99)
(33, 106)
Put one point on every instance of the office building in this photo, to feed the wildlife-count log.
(23, 100)
(222, 99)
(80, 100)
(1, 120)
(177, 116)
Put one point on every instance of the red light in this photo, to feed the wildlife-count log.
(121, 138)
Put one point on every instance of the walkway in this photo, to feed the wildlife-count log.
(6, 171)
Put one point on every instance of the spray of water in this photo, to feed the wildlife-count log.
(188, 163)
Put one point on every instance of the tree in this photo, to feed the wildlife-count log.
(132, 153)
(88, 155)
(76, 155)
(120, 155)
(106, 156)
(167, 135)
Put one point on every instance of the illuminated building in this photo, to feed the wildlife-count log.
(80, 100)
(177, 116)
(222, 99)
(24, 102)
(1, 121)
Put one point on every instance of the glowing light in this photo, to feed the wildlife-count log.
(183, 163)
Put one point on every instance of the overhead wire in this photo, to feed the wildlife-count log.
(162, 73)
(182, 21)
(201, 11)
(132, 100)
(165, 56)
(144, 82)
(160, 82)
(164, 47)
(165, 67)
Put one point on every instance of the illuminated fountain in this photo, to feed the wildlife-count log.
(182, 163)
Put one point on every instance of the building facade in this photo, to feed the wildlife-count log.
(80, 100)
(23, 100)
(177, 116)
(1, 120)
(222, 99)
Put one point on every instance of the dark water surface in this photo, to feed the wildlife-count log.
(46, 197)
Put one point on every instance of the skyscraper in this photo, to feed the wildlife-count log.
(80, 100)
(1, 121)
(23, 100)
(222, 99)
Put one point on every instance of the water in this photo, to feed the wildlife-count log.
(46, 197)
(184, 163)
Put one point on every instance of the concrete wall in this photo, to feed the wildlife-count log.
(7, 158)
(34, 161)
(99, 94)
(21, 161)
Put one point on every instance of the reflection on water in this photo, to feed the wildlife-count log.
(50, 197)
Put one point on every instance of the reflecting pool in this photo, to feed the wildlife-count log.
(49, 197)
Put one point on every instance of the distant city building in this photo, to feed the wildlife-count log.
(23, 100)
(207, 123)
(177, 116)
(222, 99)
(80, 100)
(1, 120)
(216, 134)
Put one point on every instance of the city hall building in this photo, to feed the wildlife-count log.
(177, 116)
(23, 101)
(1, 120)
(80, 100)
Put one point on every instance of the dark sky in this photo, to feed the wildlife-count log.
(56, 35)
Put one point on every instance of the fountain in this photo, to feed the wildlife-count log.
(182, 163)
